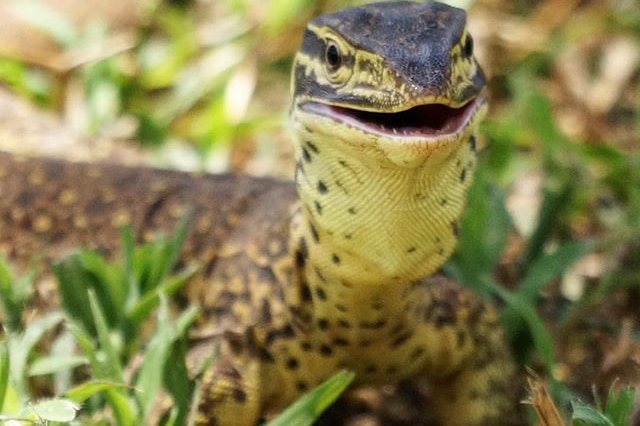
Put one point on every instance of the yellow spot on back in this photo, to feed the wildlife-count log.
(121, 218)
(158, 186)
(204, 224)
(80, 221)
(37, 177)
(233, 218)
(108, 195)
(68, 197)
(148, 235)
(176, 211)
(42, 223)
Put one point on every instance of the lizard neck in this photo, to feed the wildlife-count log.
(369, 227)
(367, 220)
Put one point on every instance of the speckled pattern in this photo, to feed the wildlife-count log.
(342, 273)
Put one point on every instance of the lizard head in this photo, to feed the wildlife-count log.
(386, 101)
(398, 79)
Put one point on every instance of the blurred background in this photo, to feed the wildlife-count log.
(204, 85)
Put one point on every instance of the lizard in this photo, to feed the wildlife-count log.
(339, 269)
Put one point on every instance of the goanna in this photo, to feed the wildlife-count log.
(386, 99)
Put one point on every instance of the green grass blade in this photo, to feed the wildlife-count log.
(132, 280)
(149, 380)
(585, 415)
(142, 309)
(13, 296)
(541, 338)
(107, 281)
(551, 265)
(53, 364)
(72, 286)
(4, 371)
(543, 269)
(13, 314)
(307, 409)
(111, 365)
(49, 20)
(105, 364)
(177, 379)
(55, 410)
(620, 405)
(483, 234)
(123, 408)
(86, 390)
(21, 346)
(159, 258)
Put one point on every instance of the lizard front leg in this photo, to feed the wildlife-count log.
(229, 388)
(475, 381)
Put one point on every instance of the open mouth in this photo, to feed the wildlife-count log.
(427, 120)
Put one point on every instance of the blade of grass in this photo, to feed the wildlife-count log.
(124, 410)
(553, 204)
(4, 371)
(14, 293)
(307, 409)
(20, 347)
(541, 338)
(543, 269)
(620, 405)
(48, 20)
(484, 229)
(106, 280)
(71, 280)
(55, 410)
(551, 265)
(86, 390)
(111, 365)
(149, 380)
(161, 257)
(177, 379)
(143, 307)
(132, 281)
(53, 364)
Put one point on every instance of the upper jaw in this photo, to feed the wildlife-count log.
(425, 121)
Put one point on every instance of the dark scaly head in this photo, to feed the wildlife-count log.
(402, 71)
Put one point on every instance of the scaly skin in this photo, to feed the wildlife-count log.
(345, 277)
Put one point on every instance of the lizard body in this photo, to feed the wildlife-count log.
(386, 101)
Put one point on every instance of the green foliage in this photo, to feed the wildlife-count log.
(106, 304)
(13, 296)
(548, 251)
(167, 82)
(125, 292)
(4, 372)
(47, 19)
(483, 235)
(615, 412)
(29, 82)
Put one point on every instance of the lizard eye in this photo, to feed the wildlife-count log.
(467, 48)
(338, 61)
(332, 56)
